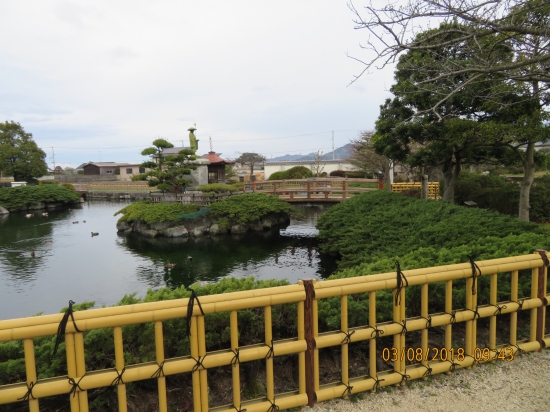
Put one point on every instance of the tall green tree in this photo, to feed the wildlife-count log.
(250, 160)
(168, 173)
(20, 157)
(492, 40)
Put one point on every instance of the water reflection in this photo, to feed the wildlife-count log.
(71, 264)
(287, 253)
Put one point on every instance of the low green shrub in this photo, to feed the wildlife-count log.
(154, 212)
(221, 188)
(497, 193)
(250, 207)
(15, 197)
(296, 172)
(374, 230)
(69, 186)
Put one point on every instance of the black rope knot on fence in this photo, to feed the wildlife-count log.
(400, 280)
(475, 361)
(160, 371)
(377, 383)
(428, 372)
(403, 326)
(453, 365)
(347, 338)
(404, 377)
(428, 321)
(238, 409)
(475, 275)
(520, 304)
(29, 394)
(499, 309)
(347, 391)
(235, 361)
(452, 315)
(63, 325)
(190, 305)
(118, 380)
(199, 364)
(271, 351)
(75, 385)
(476, 313)
(273, 407)
(375, 331)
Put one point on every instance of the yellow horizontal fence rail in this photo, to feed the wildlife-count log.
(433, 188)
(306, 344)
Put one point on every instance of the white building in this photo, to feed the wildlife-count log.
(326, 166)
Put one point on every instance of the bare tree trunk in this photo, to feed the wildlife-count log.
(527, 181)
(388, 171)
(450, 176)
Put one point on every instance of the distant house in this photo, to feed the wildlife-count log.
(102, 168)
(128, 170)
(216, 168)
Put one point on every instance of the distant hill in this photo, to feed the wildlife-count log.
(340, 153)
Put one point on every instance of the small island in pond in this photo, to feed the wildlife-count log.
(236, 214)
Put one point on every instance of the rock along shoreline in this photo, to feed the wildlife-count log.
(201, 226)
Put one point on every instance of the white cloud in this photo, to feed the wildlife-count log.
(92, 75)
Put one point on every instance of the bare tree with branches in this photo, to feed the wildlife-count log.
(506, 40)
(317, 166)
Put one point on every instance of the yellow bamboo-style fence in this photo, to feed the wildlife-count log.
(433, 188)
(422, 362)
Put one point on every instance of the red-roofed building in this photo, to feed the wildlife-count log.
(216, 168)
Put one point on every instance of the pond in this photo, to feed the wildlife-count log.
(71, 264)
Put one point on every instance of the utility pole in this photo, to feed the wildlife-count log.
(333, 145)
(53, 159)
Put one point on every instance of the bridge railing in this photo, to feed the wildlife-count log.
(316, 188)
(421, 362)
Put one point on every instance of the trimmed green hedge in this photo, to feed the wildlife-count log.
(154, 212)
(296, 172)
(496, 193)
(15, 197)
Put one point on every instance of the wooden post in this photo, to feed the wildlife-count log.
(310, 339)
(344, 189)
(380, 181)
(308, 190)
(541, 311)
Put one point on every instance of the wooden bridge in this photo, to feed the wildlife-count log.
(318, 190)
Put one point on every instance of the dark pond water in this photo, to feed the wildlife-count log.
(71, 264)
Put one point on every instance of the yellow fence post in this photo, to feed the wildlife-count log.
(514, 315)
(533, 312)
(195, 373)
(161, 379)
(541, 294)
(119, 366)
(235, 369)
(344, 343)
(270, 384)
(80, 369)
(30, 368)
(201, 336)
(71, 368)
(372, 342)
(425, 314)
(493, 319)
(449, 310)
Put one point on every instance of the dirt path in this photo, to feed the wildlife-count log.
(522, 385)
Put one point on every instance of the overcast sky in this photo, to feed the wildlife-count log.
(100, 80)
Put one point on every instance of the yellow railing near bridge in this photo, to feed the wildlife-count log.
(421, 362)
(433, 188)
